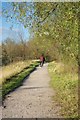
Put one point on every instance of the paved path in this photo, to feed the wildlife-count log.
(33, 99)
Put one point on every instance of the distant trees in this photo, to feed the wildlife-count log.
(12, 51)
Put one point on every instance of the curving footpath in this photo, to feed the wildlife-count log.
(33, 99)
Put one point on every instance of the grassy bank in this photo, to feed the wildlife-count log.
(12, 69)
(65, 83)
(16, 80)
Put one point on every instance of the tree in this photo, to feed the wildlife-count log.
(53, 25)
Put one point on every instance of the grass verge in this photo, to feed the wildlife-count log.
(65, 84)
(6, 72)
(16, 80)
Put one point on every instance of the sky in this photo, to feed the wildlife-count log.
(9, 29)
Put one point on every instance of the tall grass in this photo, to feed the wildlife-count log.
(65, 82)
(8, 71)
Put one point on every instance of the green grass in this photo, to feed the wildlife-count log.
(17, 80)
(13, 69)
(65, 83)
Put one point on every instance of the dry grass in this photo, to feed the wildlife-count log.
(12, 69)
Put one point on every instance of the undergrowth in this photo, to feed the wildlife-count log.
(65, 83)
